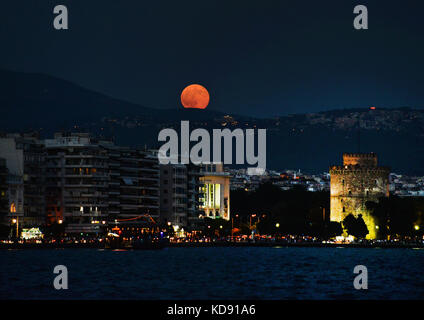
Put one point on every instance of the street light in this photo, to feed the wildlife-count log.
(417, 227)
(16, 221)
(277, 225)
(60, 221)
(250, 224)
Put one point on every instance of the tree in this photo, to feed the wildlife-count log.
(355, 226)
(397, 216)
(334, 229)
(216, 227)
(54, 230)
(297, 211)
(4, 231)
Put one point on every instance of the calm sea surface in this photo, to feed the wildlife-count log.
(213, 273)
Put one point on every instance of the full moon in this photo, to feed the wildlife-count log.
(195, 96)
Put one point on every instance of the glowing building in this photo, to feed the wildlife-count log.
(359, 180)
(215, 191)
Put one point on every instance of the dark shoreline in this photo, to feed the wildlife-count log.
(20, 246)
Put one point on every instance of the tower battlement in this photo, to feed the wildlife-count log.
(349, 169)
(361, 159)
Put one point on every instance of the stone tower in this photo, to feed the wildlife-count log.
(359, 180)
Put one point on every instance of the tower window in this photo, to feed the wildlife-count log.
(350, 192)
(344, 209)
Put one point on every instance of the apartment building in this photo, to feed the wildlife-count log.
(4, 200)
(92, 182)
(77, 182)
(24, 158)
(179, 185)
(139, 183)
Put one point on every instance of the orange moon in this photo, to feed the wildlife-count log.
(195, 96)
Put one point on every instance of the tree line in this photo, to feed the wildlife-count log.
(300, 212)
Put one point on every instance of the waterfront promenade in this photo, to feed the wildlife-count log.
(100, 245)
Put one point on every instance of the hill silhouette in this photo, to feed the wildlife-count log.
(310, 142)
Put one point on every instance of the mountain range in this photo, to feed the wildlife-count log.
(310, 142)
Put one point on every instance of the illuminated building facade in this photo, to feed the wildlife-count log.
(359, 180)
(76, 182)
(215, 191)
(179, 194)
(4, 199)
(138, 183)
(24, 159)
(91, 181)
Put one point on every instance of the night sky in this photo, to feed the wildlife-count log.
(260, 58)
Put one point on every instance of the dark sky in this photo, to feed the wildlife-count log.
(259, 58)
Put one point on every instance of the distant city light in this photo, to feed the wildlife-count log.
(277, 225)
(60, 221)
(417, 227)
